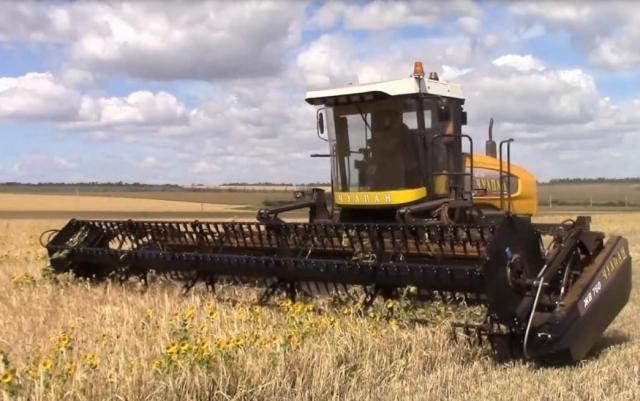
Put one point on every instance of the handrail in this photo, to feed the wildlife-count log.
(508, 175)
(454, 173)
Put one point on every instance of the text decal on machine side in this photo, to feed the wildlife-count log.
(611, 267)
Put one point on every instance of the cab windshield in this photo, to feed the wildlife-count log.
(374, 145)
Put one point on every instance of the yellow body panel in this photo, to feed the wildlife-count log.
(524, 197)
(380, 198)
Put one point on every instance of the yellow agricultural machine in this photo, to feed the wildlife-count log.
(412, 207)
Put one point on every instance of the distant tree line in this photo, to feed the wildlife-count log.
(275, 184)
(75, 187)
(86, 184)
(119, 186)
(599, 180)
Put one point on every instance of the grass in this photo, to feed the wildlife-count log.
(65, 339)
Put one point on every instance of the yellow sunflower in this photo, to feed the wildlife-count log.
(6, 377)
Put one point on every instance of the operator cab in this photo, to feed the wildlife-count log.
(393, 143)
(374, 145)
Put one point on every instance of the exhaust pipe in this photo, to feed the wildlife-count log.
(490, 147)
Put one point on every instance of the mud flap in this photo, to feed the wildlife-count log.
(514, 236)
(595, 299)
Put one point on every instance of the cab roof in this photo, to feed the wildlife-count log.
(369, 91)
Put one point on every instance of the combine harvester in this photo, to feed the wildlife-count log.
(413, 207)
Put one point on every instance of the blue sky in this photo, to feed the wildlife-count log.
(214, 92)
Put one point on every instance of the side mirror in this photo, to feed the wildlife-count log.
(320, 125)
(443, 113)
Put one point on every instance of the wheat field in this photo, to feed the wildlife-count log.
(62, 339)
(55, 203)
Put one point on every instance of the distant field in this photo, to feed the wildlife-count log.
(39, 202)
(106, 187)
(269, 188)
(171, 202)
(147, 205)
(66, 206)
(227, 197)
(586, 194)
(583, 195)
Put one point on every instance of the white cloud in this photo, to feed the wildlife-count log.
(38, 166)
(561, 13)
(381, 15)
(149, 162)
(45, 97)
(618, 52)
(607, 32)
(77, 78)
(559, 119)
(530, 96)
(64, 163)
(450, 73)
(205, 41)
(533, 31)
(160, 40)
(327, 16)
(469, 24)
(204, 166)
(31, 22)
(520, 63)
(36, 96)
(327, 60)
(334, 59)
(230, 138)
(140, 108)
